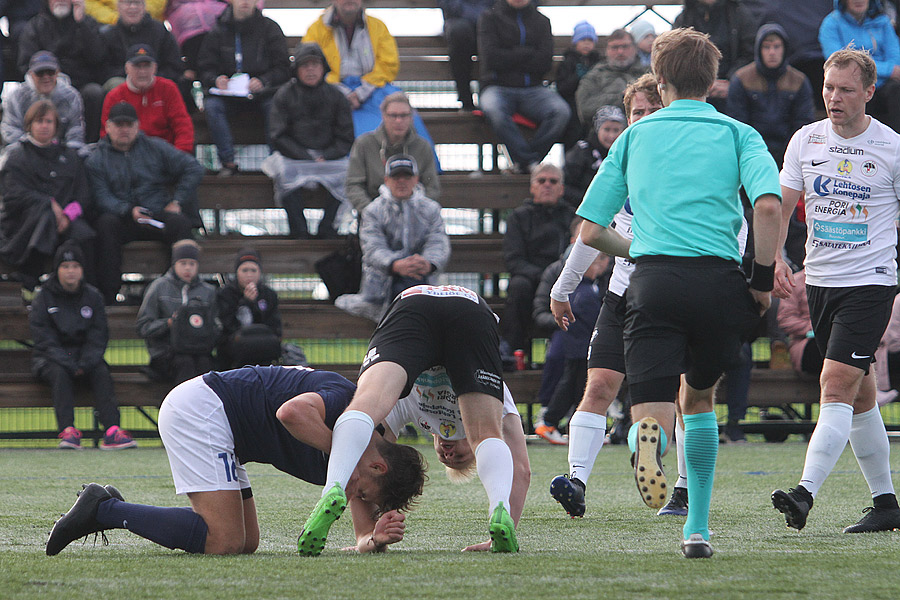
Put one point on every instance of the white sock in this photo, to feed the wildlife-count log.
(587, 432)
(679, 447)
(495, 469)
(870, 444)
(826, 444)
(350, 438)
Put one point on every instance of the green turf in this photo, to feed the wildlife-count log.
(620, 549)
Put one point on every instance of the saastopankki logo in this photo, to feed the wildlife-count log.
(820, 185)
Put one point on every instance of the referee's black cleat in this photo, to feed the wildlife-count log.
(876, 519)
(794, 504)
(696, 547)
(81, 520)
(569, 492)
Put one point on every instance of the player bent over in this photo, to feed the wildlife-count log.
(432, 405)
(214, 424)
(426, 326)
(849, 166)
(688, 305)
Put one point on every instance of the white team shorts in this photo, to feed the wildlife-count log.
(199, 441)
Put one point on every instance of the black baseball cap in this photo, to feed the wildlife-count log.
(400, 164)
(140, 53)
(122, 113)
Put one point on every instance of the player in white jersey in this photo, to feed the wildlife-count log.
(848, 165)
(432, 405)
(426, 326)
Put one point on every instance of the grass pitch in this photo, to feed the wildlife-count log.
(619, 549)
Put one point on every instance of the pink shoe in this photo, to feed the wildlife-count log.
(70, 438)
(117, 438)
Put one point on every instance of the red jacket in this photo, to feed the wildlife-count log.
(161, 112)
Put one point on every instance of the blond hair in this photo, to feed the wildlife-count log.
(853, 56)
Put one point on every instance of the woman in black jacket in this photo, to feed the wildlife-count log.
(250, 318)
(45, 195)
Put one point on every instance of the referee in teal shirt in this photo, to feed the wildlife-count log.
(688, 305)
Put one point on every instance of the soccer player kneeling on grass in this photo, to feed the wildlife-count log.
(426, 326)
(213, 424)
(432, 404)
(688, 305)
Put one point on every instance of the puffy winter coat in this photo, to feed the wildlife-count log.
(515, 46)
(536, 235)
(77, 45)
(875, 34)
(730, 26)
(120, 37)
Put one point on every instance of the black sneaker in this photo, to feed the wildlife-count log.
(569, 491)
(81, 520)
(795, 504)
(677, 504)
(696, 547)
(647, 463)
(876, 519)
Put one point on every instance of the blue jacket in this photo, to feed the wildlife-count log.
(875, 34)
(776, 102)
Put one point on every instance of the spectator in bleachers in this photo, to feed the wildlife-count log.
(573, 342)
(643, 34)
(536, 235)
(732, 29)
(887, 359)
(190, 21)
(364, 60)
(144, 188)
(606, 82)
(578, 59)
(251, 321)
(108, 11)
(311, 131)
(17, 14)
(403, 241)
(583, 160)
(178, 319)
(515, 50)
(863, 25)
(769, 95)
(395, 135)
(136, 26)
(461, 29)
(800, 20)
(243, 45)
(63, 28)
(68, 326)
(793, 319)
(159, 105)
(45, 194)
(44, 81)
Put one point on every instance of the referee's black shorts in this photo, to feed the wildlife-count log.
(421, 331)
(686, 315)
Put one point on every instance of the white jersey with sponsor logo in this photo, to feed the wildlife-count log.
(851, 188)
(432, 406)
(621, 275)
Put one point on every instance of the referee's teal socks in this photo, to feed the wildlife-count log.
(701, 446)
(175, 528)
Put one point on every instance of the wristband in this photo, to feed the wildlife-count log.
(762, 278)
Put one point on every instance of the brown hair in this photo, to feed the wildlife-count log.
(620, 34)
(853, 56)
(646, 85)
(40, 109)
(405, 477)
(395, 97)
(687, 60)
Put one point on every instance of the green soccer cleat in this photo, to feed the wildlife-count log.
(315, 531)
(503, 531)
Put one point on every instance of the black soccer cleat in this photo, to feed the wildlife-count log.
(794, 504)
(81, 520)
(677, 504)
(876, 519)
(696, 547)
(569, 492)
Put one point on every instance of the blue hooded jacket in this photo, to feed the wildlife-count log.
(774, 101)
(875, 34)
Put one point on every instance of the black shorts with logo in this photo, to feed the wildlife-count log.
(686, 315)
(850, 321)
(426, 326)
(607, 349)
